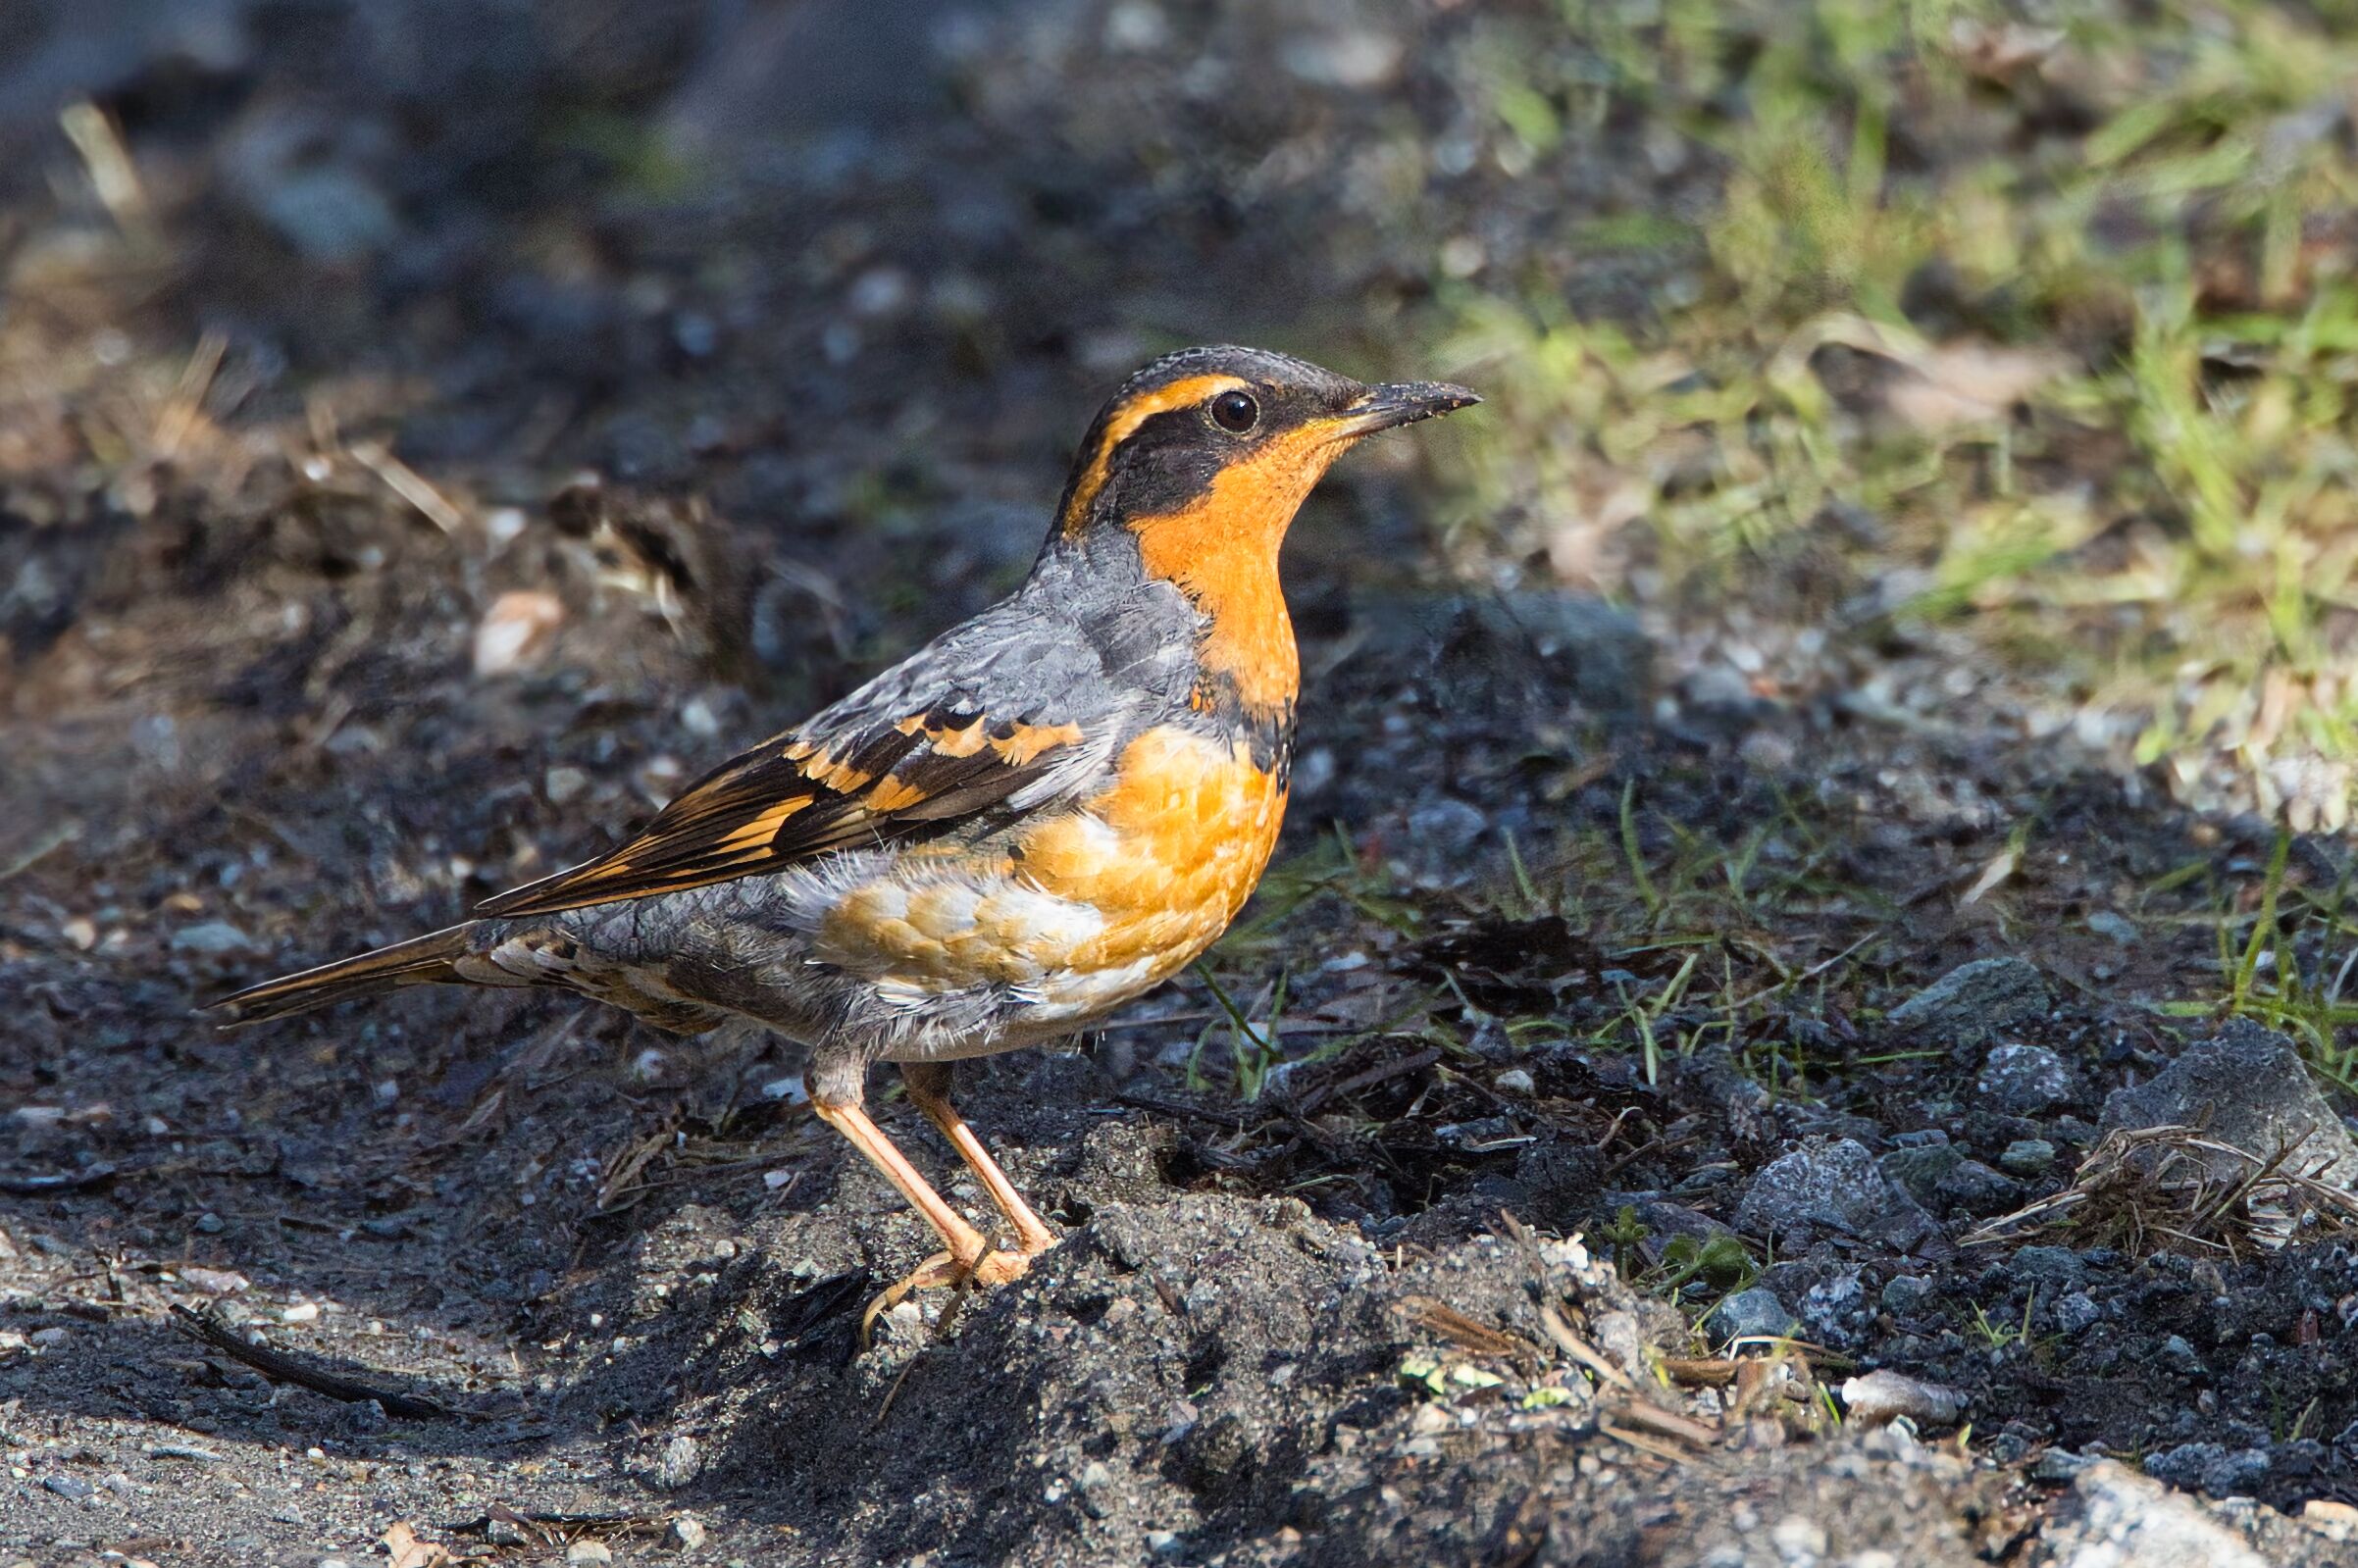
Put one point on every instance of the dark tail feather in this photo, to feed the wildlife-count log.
(417, 961)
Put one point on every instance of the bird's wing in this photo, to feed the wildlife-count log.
(989, 719)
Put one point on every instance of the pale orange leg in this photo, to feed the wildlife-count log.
(929, 1091)
(969, 1255)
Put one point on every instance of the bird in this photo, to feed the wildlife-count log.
(1043, 813)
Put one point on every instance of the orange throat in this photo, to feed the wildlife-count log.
(1221, 551)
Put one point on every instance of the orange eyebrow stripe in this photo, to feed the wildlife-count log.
(1181, 393)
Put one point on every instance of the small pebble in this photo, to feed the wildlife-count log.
(682, 1462)
(1514, 1081)
(1748, 1314)
(212, 939)
(690, 1531)
(586, 1553)
(1886, 1395)
(1798, 1539)
(2027, 1157)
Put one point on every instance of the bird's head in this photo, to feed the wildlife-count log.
(1199, 463)
(1237, 434)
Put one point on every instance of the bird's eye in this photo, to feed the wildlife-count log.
(1235, 412)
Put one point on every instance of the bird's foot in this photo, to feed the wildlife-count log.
(945, 1271)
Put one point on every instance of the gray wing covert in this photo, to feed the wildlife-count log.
(1008, 713)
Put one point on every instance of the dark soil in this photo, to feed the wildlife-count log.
(1562, 943)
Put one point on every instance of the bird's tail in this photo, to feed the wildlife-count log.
(421, 960)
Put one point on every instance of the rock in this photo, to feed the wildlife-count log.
(2211, 1467)
(1748, 1314)
(1722, 694)
(2058, 1465)
(2048, 1268)
(2246, 1086)
(304, 173)
(1834, 1309)
(2025, 1080)
(2334, 1520)
(2116, 928)
(1976, 999)
(2073, 1312)
(1799, 1538)
(1882, 1397)
(72, 1488)
(1093, 1484)
(330, 215)
(1944, 1178)
(1352, 58)
(1447, 825)
(2116, 1518)
(1908, 1293)
(682, 1461)
(2027, 1157)
(588, 1554)
(1830, 1187)
(211, 939)
(689, 1530)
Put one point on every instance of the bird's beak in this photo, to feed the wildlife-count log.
(1381, 408)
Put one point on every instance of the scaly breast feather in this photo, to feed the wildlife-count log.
(1087, 907)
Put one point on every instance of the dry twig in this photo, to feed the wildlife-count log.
(287, 1369)
(2151, 1189)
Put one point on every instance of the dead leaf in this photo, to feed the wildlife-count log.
(1998, 52)
(1968, 383)
(403, 1544)
(516, 630)
(2000, 868)
(213, 1282)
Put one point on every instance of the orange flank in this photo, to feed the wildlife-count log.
(1168, 855)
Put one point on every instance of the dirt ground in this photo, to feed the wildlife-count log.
(1601, 1009)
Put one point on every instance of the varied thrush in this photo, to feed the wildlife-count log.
(1034, 818)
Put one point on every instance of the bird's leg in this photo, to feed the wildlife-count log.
(968, 1255)
(929, 1091)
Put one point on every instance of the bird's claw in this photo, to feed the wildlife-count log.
(945, 1269)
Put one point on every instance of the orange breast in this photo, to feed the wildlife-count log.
(1082, 911)
(1166, 856)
